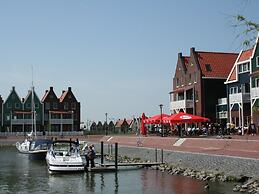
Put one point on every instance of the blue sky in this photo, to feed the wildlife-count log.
(117, 55)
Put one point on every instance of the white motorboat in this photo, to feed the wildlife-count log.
(23, 147)
(64, 156)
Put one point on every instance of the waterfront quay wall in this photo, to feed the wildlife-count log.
(230, 166)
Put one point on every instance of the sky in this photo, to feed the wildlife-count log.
(118, 56)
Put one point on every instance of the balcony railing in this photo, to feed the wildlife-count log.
(239, 97)
(222, 115)
(61, 121)
(181, 104)
(254, 93)
(222, 101)
(22, 121)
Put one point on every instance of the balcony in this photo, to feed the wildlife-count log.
(21, 121)
(222, 101)
(239, 97)
(181, 104)
(61, 121)
(254, 93)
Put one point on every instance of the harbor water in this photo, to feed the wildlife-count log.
(20, 175)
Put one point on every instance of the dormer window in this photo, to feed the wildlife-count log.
(242, 68)
(208, 67)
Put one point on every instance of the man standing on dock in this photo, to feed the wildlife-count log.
(90, 156)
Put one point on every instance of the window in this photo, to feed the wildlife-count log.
(177, 81)
(242, 68)
(28, 105)
(17, 105)
(9, 105)
(257, 61)
(55, 105)
(190, 78)
(195, 77)
(256, 82)
(37, 105)
(233, 90)
(73, 106)
(65, 105)
(208, 67)
(47, 106)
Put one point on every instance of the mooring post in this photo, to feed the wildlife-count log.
(108, 149)
(156, 154)
(101, 152)
(116, 156)
(162, 155)
(111, 149)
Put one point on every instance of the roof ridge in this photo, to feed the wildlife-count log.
(217, 52)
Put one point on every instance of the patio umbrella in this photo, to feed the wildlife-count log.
(143, 130)
(157, 119)
(182, 117)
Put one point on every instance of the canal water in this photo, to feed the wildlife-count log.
(20, 175)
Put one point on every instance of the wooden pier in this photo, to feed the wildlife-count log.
(113, 167)
(146, 164)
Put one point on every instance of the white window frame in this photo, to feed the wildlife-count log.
(257, 61)
(256, 82)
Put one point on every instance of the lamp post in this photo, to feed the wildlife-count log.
(161, 111)
(106, 123)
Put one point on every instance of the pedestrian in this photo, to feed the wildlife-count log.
(90, 157)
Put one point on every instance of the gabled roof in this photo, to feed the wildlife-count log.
(29, 94)
(233, 74)
(13, 91)
(245, 55)
(45, 95)
(63, 95)
(220, 63)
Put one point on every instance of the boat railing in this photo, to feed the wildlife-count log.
(66, 133)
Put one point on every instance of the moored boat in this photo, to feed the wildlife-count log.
(64, 156)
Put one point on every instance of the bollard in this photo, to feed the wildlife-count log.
(116, 156)
(101, 152)
(111, 149)
(162, 156)
(156, 154)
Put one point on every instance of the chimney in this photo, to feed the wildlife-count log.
(51, 88)
(63, 91)
(69, 88)
(46, 91)
(13, 88)
(192, 50)
(180, 55)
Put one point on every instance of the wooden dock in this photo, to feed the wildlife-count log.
(101, 169)
(146, 164)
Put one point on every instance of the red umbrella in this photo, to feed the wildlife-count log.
(157, 119)
(182, 117)
(143, 128)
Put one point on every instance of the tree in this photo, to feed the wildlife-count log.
(250, 29)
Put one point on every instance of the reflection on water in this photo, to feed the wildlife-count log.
(20, 175)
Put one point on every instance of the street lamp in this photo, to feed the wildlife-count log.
(161, 111)
(106, 123)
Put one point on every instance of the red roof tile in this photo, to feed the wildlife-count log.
(233, 75)
(220, 63)
(245, 55)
